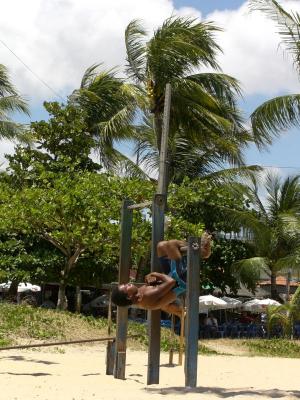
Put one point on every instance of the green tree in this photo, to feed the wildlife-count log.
(10, 101)
(206, 125)
(276, 242)
(274, 116)
(76, 214)
(61, 144)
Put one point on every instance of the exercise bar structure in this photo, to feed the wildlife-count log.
(117, 351)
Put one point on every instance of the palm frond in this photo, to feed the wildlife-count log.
(127, 168)
(288, 24)
(11, 130)
(9, 104)
(273, 117)
(289, 261)
(89, 76)
(136, 51)
(233, 174)
(221, 86)
(119, 126)
(248, 270)
(180, 45)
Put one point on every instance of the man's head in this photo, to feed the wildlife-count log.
(124, 295)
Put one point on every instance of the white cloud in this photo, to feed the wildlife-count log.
(59, 39)
(251, 53)
(7, 147)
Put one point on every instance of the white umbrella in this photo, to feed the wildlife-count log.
(231, 302)
(269, 302)
(211, 302)
(250, 305)
(22, 287)
(259, 305)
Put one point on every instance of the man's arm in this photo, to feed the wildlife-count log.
(157, 296)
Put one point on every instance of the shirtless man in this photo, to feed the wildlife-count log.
(161, 289)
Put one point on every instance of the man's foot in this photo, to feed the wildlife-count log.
(206, 245)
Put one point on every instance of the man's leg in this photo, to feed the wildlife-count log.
(170, 249)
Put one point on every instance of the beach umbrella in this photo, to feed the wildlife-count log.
(231, 302)
(259, 305)
(22, 287)
(269, 302)
(250, 305)
(210, 302)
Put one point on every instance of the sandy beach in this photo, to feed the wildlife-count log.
(78, 373)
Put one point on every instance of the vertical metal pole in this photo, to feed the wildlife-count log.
(192, 314)
(163, 157)
(122, 312)
(158, 217)
(154, 316)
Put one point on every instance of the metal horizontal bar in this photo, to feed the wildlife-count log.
(28, 346)
(139, 205)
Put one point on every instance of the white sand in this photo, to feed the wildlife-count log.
(79, 374)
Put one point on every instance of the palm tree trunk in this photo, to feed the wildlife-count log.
(274, 294)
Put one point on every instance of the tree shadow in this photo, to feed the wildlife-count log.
(225, 392)
(22, 358)
(36, 374)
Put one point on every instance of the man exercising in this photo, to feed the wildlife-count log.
(161, 289)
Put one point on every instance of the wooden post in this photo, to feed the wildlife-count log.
(154, 316)
(181, 340)
(122, 312)
(111, 344)
(110, 357)
(192, 311)
(172, 337)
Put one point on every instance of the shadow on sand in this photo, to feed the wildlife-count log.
(27, 359)
(36, 374)
(226, 393)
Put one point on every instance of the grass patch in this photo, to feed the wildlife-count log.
(25, 322)
(167, 341)
(19, 322)
(273, 348)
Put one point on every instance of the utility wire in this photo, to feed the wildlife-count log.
(273, 166)
(33, 73)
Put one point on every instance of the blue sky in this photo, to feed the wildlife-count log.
(59, 40)
(208, 6)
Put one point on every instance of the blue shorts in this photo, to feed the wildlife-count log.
(177, 270)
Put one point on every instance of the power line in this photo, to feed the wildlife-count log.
(273, 166)
(33, 73)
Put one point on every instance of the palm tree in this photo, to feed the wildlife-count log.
(206, 125)
(282, 112)
(276, 242)
(10, 102)
(110, 106)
